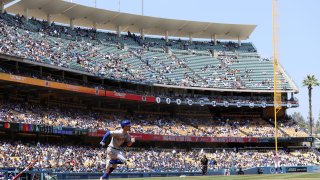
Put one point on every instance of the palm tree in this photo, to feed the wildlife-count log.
(310, 82)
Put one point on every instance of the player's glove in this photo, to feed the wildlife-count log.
(102, 144)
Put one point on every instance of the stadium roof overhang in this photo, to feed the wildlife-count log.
(62, 11)
(5, 1)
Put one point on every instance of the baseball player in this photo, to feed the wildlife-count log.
(114, 151)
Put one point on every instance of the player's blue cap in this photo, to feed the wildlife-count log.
(125, 123)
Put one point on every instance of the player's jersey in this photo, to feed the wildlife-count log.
(118, 138)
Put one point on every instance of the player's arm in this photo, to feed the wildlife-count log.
(109, 134)
(105, 137)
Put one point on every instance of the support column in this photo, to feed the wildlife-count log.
(25, 13)
(62, 74)
(49, 19)
(71, 23)
(85, 78)
(190, 38)
(2, 7)
(167, 36)
(239, 41)
(142, 33)
(215, 39)
(118, 31)
(40, 70)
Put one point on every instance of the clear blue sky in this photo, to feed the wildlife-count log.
(298, 20)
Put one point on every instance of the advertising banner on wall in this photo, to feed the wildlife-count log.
(74, 88)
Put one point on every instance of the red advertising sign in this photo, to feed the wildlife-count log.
(134, 97)
(151, 137)
(96, 133)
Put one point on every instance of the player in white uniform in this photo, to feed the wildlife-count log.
(114, 151)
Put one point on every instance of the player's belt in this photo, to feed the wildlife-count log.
(114, 148)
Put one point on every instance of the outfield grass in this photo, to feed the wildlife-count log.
(300, 176)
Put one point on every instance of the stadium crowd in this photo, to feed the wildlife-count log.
(87, 159)
(247, 158)
(195, 97)
(41, 47)
(146, 123)
(103, 54)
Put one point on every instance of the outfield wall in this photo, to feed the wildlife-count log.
(73, 175)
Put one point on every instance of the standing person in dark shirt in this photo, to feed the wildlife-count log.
(204, 164)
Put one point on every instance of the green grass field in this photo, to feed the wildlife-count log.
(300, 176)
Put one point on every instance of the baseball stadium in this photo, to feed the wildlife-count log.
(90, 93)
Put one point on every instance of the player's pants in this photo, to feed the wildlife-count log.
(114, 154)
(204, 169)
(114, 157)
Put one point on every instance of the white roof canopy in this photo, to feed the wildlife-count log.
(62, 11)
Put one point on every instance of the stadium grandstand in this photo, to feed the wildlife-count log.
(69, 73)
